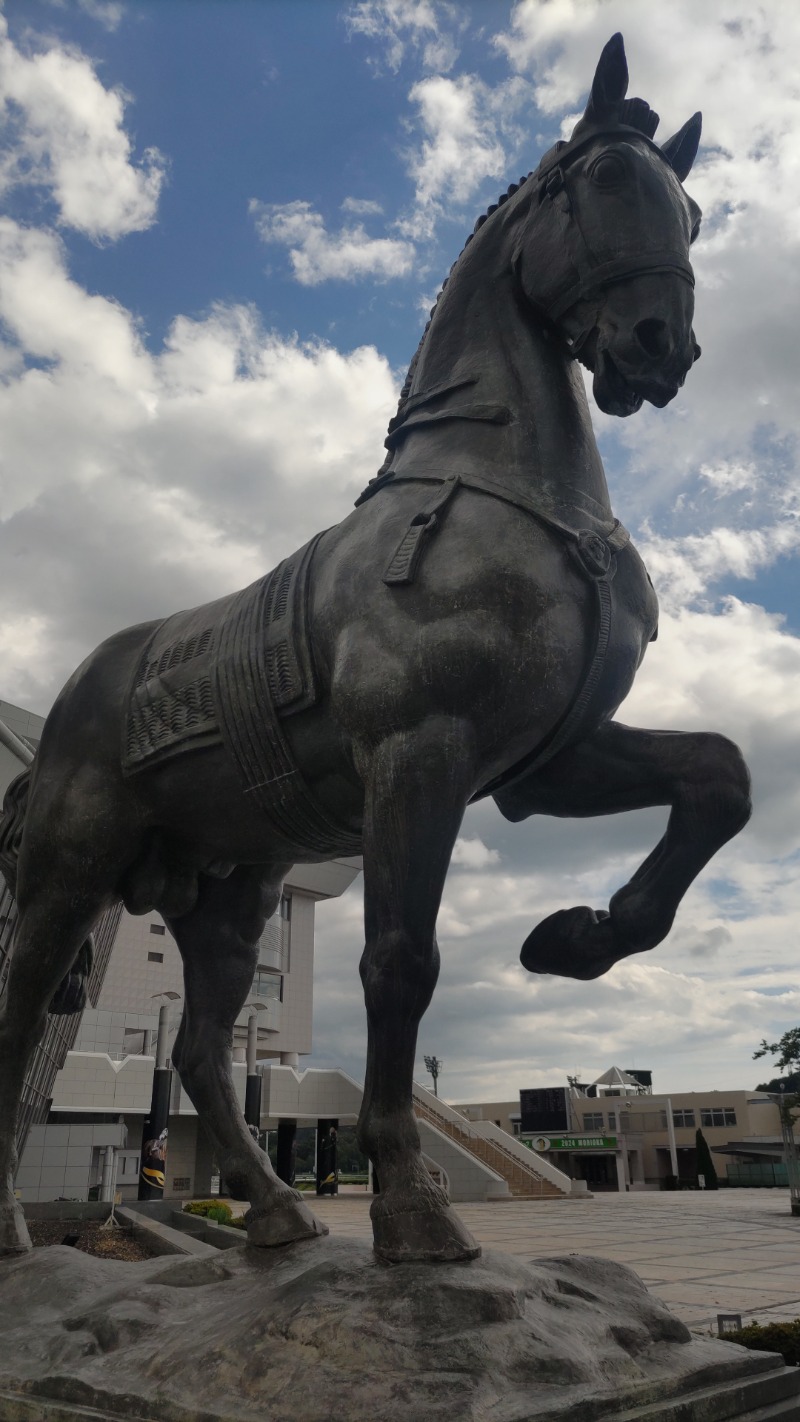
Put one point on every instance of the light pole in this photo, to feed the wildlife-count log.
(790, 1150)
(153, 1167)
(434, 1066)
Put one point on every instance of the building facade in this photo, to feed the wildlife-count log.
(616, 1134)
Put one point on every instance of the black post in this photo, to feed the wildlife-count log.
(327, 1164)
(285, 1167)
(153, 1168)
(252, 1104)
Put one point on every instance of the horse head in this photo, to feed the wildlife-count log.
(603, 253)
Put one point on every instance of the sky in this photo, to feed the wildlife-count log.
(223, 223)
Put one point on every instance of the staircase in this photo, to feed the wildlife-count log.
(524, 1180)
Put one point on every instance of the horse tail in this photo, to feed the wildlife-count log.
(71, 996)
(12, 824)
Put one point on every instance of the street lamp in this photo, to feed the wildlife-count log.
(434, 1066)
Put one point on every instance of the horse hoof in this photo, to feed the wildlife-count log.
(573, 943)
(417, 1236)
(14, 1237)
(288, 1221)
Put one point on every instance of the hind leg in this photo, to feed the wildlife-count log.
(218, 941)
(55, 919)
(704, 780)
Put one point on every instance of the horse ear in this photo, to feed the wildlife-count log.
(680, 151)
(610, 83)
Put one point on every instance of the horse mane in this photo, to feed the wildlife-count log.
(633, 113)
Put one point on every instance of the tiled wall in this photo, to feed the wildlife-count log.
(57, 1160)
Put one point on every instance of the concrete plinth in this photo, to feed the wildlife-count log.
(322, 1329)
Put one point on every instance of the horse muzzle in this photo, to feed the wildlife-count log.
(624, 380)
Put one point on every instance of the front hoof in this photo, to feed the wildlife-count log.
(286, 1222)
(422, 1236)
(14, 1237)
(573, 943)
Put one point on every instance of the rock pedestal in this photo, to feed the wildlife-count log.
(321, 1329)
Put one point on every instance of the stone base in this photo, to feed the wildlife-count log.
(322, 1329)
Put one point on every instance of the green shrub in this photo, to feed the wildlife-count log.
(783, 1338)
(210, 1210)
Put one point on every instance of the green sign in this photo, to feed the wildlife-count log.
(542, 1143)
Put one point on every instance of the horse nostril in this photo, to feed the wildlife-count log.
(653, 337)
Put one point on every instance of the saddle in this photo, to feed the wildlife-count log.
(229, 673)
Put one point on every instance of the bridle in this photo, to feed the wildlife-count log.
(591, 275)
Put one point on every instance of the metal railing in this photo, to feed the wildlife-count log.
(521, 1177)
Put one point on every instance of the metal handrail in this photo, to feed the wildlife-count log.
(13, 743)
(464, 1128)
(491, 1147)
(434, 1168)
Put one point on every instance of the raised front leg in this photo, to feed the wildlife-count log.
(218, 941)
(700, 775)
(417, 785)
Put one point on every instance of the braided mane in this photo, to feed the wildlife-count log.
(633, 113)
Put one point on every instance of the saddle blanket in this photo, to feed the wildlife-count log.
(227, 674)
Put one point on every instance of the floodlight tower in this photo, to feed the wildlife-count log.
(434, 1066)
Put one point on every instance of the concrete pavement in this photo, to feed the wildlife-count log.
(729, 1251)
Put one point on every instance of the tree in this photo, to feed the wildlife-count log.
(786, 1049)
(777, 1084)
(705, 1165)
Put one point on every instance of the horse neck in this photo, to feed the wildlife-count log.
(483, 333)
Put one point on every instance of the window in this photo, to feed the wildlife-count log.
(158, 928)
(612, 1120)
(593, 1121)
(717, 1116)
(682, 1119)
(155, 957)
(286, 906)
(267, 985)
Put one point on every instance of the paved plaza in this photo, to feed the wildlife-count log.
(730, 1251)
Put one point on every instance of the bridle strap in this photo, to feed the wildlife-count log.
(592, 276)
(620, 269)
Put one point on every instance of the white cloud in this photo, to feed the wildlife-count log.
(166, 478)
(683, 569)
(317, 255)
(362, 207)
(425, 28)
(108, 13)
(472, 853)
(64, 131)
(468, 130)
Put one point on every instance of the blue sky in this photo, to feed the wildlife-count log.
(223, 223)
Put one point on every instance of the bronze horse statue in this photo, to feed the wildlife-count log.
(468, 630)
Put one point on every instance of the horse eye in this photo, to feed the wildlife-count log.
(608, 171)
